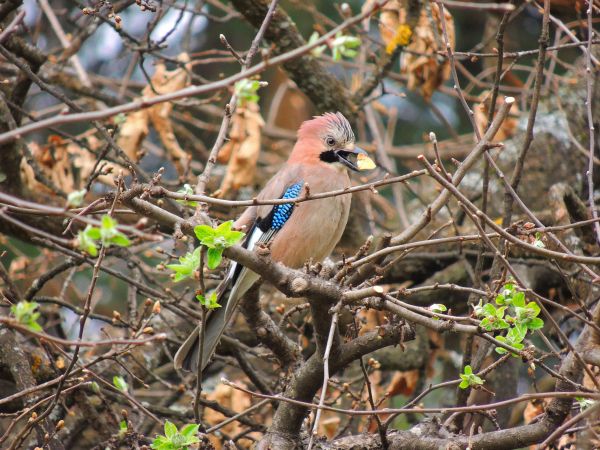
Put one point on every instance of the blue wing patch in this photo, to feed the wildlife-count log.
(281, 213)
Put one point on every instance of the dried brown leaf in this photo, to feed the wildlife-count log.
(242, 149)
(136, 127)
(403, 383)
(425, 69)
(63, 162)
(53, 160)
(392, 15)
(232, 399)
(133, 132)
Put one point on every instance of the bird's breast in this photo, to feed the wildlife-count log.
(315, 226)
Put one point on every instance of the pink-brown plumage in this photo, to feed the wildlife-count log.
(320, 159)
(317, 225)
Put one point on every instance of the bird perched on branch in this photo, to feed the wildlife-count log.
(324, 153)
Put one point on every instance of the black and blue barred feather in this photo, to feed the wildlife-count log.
(281, 213)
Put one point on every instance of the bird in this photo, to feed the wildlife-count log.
(321, 159)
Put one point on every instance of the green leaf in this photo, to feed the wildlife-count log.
(478, 308)
(210, 302)
(319, 49)
(214, 256)
(188, 264)
(170, 430)
(190, 431)
(519, 299)
(521, 329)
(343, 45)
(233, 237)
(336, 54)
(187, 190)
(93, 232)
(534, 307)
(246, 91)
(108, 222)
(489, 309)
(120, 383)
(203, 232)
(108, 233)
(348, 53)
(35, 326)
(486, 324)
(86, 240)
(161, 443)
(469, 378)
(438, 307)
(535, 324)
(509, 289)
(120, 240)
(516, 334)
(224, 228)
(25, 313)
(502, 324)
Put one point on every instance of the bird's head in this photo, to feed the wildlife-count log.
(329, 139)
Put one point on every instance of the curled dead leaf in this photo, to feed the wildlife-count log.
(136, 126)
(403, 383)
(533, 410)
(66, 164)
(243, 148)
(427, 70)
(231, 399)
(422, 34)
(392, 15)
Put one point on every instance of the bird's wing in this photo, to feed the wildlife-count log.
(263, 231)
(263, 224)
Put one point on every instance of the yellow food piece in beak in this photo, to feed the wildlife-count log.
(363, 162)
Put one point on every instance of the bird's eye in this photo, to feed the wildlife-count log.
(330, 141)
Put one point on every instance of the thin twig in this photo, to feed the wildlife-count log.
(332, 330)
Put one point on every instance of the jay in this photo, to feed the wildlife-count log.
(323, 154)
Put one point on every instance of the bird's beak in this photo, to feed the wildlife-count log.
(356, 159)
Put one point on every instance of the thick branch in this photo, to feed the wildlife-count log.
(326, 92)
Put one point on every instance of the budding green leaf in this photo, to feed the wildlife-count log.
(25, 313)
(174, 439)
(120, 383)
(214, 257)
(246, 91)
(343, 46)
(216, 240)
(210, 302)
(318, 50)
(188, 264)
(187, 190)
(86, 240)
(469, 379)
